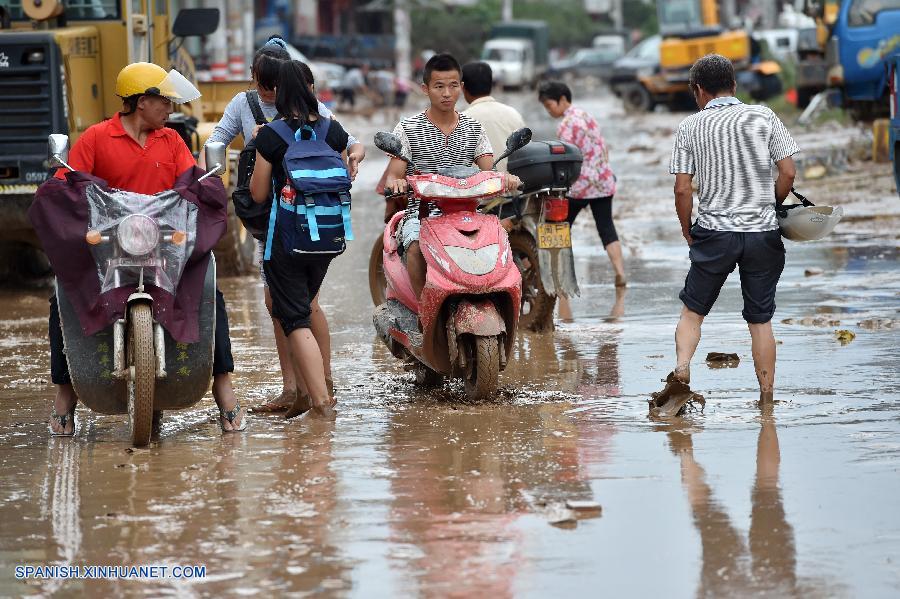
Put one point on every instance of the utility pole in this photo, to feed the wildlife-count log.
(402, 42)
(507, 14)
(618, 17)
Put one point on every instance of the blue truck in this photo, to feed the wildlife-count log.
(865, 34)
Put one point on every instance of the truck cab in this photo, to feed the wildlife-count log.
(865, 34)
(58, 68)
(511, 60)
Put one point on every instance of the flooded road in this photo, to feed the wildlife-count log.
(415, 493)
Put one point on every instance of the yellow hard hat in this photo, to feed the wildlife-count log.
(149, 78)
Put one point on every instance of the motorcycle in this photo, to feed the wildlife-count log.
(464, 323)
(540, 237)
(134, 365)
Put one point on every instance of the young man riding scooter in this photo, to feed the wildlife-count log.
(436, 138)
(134, 151)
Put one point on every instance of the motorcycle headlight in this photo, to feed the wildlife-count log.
(138, 234)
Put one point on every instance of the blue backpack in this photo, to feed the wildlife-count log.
(318, 221)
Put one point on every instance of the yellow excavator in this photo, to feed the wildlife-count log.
(691, 29)
(58, 67)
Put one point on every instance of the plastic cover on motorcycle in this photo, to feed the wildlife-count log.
(63, 216)
(134, 235)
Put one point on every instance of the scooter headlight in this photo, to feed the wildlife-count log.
(138, 234)
(475, 262)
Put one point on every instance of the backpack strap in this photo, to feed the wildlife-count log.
(270, 236)
(309, 208)
(345, 215)
(253, 100)
(283, 130)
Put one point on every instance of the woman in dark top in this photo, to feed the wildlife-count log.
(295, 279)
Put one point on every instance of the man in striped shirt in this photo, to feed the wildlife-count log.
(730, 148)
(437, 138)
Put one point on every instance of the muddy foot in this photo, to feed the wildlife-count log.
(276, 403)
(301, 405)
(673, 399)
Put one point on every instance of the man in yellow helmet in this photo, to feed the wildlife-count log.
(135, 151)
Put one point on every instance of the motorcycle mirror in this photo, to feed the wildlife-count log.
(58, 150)
(389, 144)
(519, 139)
(214, 152)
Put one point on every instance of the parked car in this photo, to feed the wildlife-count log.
(587, 63)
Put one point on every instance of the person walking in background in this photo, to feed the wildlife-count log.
(596, 185)
(730, 147)
(498, 119)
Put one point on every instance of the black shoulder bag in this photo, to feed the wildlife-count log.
(255, 217)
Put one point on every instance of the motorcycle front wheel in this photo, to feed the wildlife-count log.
(536, 313)
(142, 382)
(484, 368)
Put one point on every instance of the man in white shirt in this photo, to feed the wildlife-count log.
(498, 119)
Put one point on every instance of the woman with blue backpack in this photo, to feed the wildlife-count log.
(245, 115)
(301, 168)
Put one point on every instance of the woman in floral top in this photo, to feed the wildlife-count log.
(597, 183)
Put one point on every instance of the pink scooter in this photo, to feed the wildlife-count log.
(464, 323)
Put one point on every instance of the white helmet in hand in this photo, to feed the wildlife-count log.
(805, 221)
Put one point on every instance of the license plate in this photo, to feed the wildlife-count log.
(554, 235)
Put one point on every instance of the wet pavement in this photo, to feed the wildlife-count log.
(419, 493)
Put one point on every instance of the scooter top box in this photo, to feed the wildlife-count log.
(546, 164)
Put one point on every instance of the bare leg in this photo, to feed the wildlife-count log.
(687, 337)
(289, 384)
(223, 392)
(319, 326)
(763, 348)
(308, 359)
(614, 251)
(415, 265)
(565, 308)
(64, 403)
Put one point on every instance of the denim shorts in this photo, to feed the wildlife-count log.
(759, 257)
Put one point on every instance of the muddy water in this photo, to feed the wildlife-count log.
(413, 493)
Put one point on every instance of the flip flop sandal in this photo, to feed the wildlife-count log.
(63, 420)
(231, 415)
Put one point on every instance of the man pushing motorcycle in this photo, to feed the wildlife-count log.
(436, 138)
(134, 151)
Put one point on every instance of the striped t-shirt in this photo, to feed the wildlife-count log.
(730, 147)
(430, 149)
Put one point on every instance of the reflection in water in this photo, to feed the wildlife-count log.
(770, 564)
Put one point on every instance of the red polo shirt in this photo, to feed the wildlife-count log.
(105, 150)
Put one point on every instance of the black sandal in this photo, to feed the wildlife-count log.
(231, 415)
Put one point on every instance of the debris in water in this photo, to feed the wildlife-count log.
(584, 509)
(845, 336)
(561, 517)
(876, 323)
(813, 272)
(717, 359)
(674, 399)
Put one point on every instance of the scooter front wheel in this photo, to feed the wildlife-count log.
(484, 368)
(142, 382)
